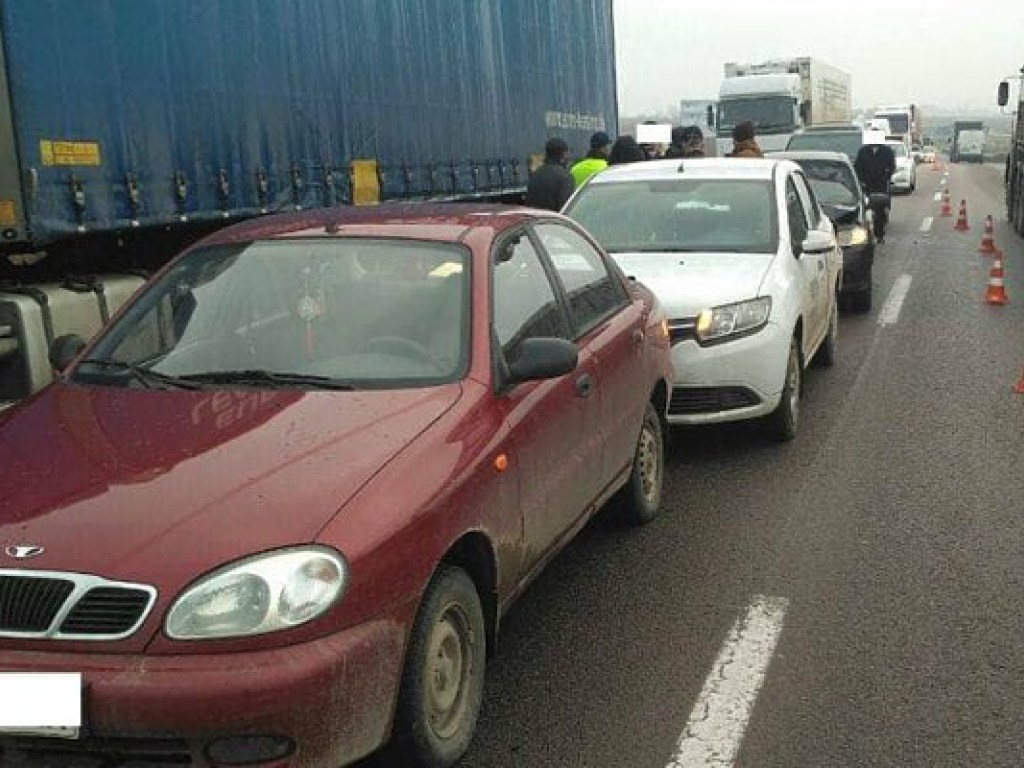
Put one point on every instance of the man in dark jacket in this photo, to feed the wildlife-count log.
(744, 142)
(551, 184)
(875, 165)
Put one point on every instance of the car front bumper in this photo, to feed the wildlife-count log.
(332, 698)
(730, 381)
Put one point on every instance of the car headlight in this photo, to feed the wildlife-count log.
(722, 323)
(852, 236)
(259, 594)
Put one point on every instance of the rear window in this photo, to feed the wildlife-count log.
(847, 142)
(833, 183)
(680, 215)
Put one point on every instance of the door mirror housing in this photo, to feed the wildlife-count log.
(64, 350)
(543, 358)
(1004, 93)
(818, 242)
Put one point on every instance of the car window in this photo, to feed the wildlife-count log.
(807, 200)
(795, 213)
(592, 292)
(524, 303)
(679, 215)
(847, 142)
(833, 183)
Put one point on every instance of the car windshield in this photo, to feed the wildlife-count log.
(898, 147)
(898, 123)
(311, 313)
(679, 215)
(833, 183)
(769, 113)
(847, 142)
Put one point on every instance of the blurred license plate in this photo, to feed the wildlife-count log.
(47, 705)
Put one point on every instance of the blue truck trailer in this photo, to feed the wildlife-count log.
(130, 127)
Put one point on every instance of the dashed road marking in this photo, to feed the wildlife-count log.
(890, 313)
(719, 719)
(938, 196)
(926, 225)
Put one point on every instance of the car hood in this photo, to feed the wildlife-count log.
(688, 283)
(159, 485)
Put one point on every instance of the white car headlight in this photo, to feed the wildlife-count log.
(260, 594)
(729, 320)
(852, 236)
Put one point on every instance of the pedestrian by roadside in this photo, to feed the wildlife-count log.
(625, 150)
(551, 184)
(596, 159)
(744, 143)
(686, 142)
(875, 164)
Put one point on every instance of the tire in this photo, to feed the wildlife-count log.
(785, 419)
(861, 301)
(639, 501)
(825, 357)
(443, 679)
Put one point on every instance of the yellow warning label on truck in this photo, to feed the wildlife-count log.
(69, 152)
(7, 215)
(365, 182)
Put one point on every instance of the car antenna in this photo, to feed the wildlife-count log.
(681, 168)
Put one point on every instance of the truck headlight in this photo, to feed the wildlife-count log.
(729, 320)
(852, 236)
(260, 594)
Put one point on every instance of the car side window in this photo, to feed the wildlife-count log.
(524, 302)
(797, 218)
(808, 201)
(593, 293)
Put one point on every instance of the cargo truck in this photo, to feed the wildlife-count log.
(129, 129)
(1014, 177)
(966, 145)
(780, 97)
(905, 121)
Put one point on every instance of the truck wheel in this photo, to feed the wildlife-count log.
(443, 680)
(784, 421)
(639, 501)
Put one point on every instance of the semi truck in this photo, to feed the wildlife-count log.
(968, 142)
(1014, 177)
(780, 97)
(130, 129)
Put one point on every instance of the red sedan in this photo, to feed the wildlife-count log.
(274, 513)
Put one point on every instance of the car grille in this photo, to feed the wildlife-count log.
(92, 752)
(693, 400)
(70, 606)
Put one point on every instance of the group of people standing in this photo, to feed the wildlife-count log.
(553, 183)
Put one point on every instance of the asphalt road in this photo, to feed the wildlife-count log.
(889, 537)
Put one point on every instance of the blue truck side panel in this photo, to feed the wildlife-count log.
(222, 108)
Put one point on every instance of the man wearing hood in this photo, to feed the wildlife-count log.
(686, 142)
(743, 141)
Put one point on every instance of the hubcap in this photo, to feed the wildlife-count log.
(647, 459)
(448, 672)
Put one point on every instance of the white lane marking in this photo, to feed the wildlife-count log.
(719, 719)
(890, 313)
(938, 196)
(926, 224)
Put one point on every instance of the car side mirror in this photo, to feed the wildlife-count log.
(1004, 93)
(543, 358)
(64, 349)
(818, 242)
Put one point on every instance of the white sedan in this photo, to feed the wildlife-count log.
(905, 178)
(747, 265)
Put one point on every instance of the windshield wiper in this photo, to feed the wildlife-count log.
(654, 249)
(145, 376)
(274, 379)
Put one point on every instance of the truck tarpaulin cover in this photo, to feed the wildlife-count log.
(245, 105)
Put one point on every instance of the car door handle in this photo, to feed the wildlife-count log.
(583, 385)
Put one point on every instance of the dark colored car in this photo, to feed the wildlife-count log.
(835, 184)
(833, 137)
(274, 513)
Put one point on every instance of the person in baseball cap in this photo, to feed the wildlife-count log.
(596, 159)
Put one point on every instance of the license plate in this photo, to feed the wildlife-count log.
(41, 704)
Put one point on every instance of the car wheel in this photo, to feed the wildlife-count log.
(784, 421)
(639, 500)
(826, 354)
(443, 680)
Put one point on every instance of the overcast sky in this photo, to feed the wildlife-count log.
(951, 54)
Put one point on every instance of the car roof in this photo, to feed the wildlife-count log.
(445, 222)
(703, 168)
(797, 155)
(825, 127)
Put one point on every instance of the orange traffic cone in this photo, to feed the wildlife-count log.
(947, 206)
(988, 243)
(1019, 386)
(961, 222)
(996, 293)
